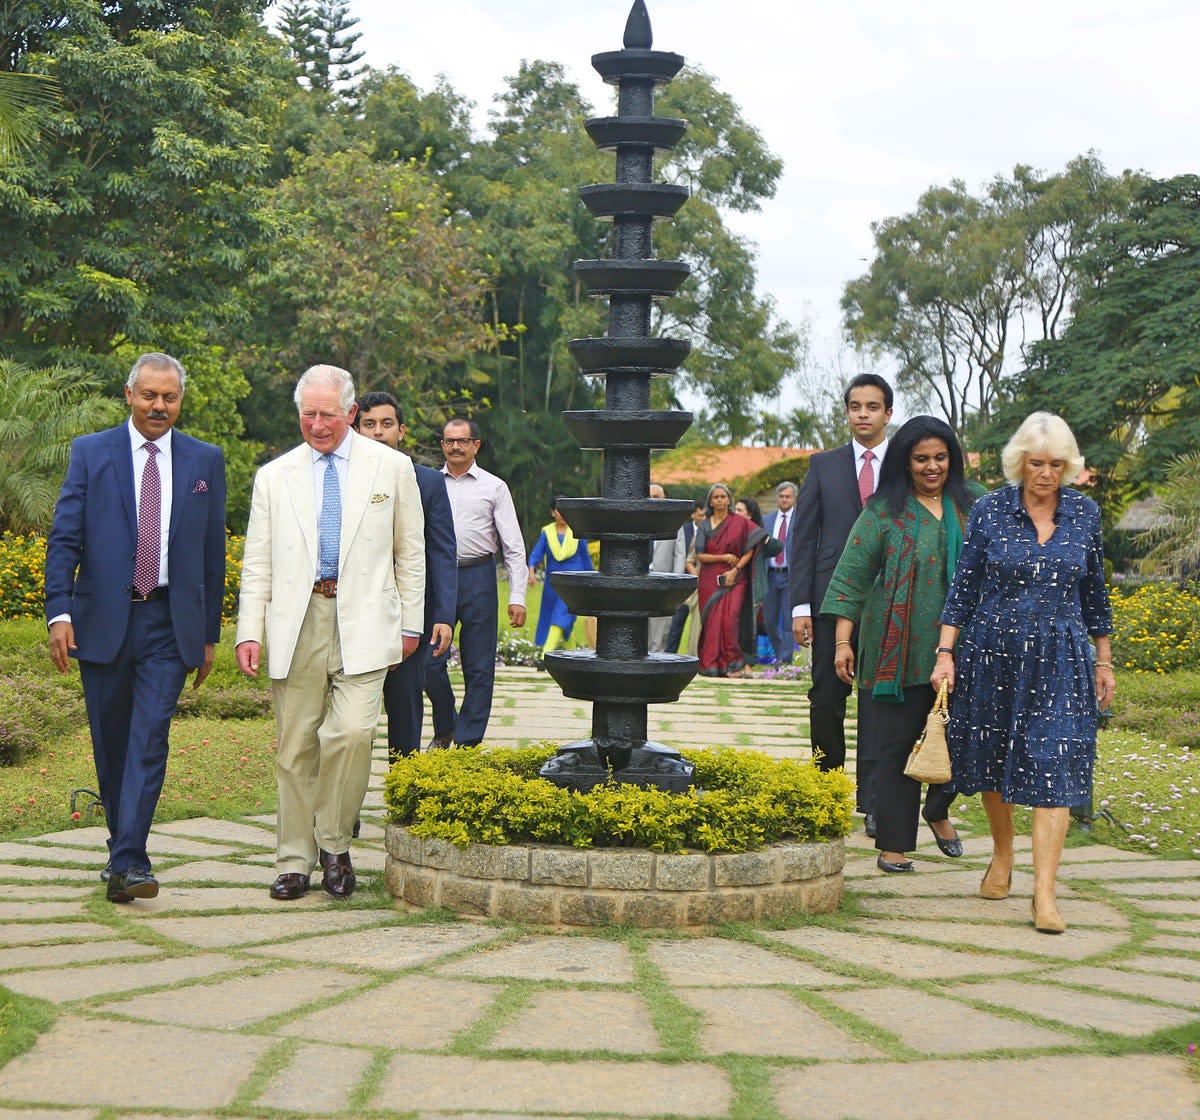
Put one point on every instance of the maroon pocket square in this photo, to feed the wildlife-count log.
(201, 487)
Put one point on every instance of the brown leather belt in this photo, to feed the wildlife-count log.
(135, 596)
(475, 561)
(326, 587)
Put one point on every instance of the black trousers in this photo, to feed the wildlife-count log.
(827, 698)
(404, 702)
(895, 728)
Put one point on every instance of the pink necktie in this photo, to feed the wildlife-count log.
(781, 559)
(146, 560)
(866, 478)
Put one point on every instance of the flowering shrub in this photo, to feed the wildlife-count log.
(742, 801)
(1156, 629)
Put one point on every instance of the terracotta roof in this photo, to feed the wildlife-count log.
(693, 465)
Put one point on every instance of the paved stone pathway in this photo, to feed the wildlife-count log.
(919, 1000)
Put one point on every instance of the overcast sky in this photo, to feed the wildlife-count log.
(868, 103)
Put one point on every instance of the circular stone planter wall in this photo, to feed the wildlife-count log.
(601, 886)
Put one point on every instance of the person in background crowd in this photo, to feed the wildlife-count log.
(764, 552)
(1028, 591)
(135, 580)
(333, 581)
(724, 546)
(485, 522)
(379, 418)
(836, 487)
(776, 599)
(891, 583)
(669, 556)
(559, 550)
(690, 608)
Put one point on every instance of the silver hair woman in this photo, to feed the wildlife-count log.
(1028, 592)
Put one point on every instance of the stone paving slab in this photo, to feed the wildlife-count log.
(31, 933)
(551, 958)
(216, 871)
(237, 1001)
(1170, 941)
(387, 947)
(574, 1020)
(187, 1069)
(714, 962)
(1162, 888)
(909, 962)
(41, 891)
(1163, 869)
(768, 1023)
(1102, 853)
(52, 956)
(211, 829)
(173, 899)
(1188, 966)
(1174, 906)
(412, 1013)
(65, 985)
(1082, 942)
(978, 909)
(48, 1114)
(1086, 1011)
(13, 851)
(942, 1026)
(33, 911)
(53, 875)
(1070, 1087)
(318, 1079)
(1162, 988)
(250, 929)
(426, 1081)
(93, 836)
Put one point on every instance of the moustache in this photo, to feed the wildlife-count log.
(155, 414)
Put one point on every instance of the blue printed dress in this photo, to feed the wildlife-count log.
(1023, 715)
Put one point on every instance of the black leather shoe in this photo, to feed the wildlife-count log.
(869, 825)
(289, 885)
(887, 865)
(106, 874)
(357, 827)
(439, 743)
(130, 885)
(952, 847)
(338, 878)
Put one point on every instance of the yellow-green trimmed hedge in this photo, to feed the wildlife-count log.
(742, 801)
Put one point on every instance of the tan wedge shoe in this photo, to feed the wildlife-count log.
(990, 890)
(1046, 923)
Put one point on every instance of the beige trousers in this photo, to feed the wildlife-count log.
(326, 722)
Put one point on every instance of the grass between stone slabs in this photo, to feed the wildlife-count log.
(22, 1019)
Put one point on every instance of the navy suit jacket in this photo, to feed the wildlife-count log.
(93, 541)
(441, 549)
(825, 511)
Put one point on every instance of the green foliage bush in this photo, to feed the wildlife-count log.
(22, 575)
(785, 470)
(36, 703)
(742, 801)
(1156, 628)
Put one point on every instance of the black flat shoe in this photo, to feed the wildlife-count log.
(951, 848)
(887, 865)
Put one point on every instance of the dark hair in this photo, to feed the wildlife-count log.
(872, 379)
(895, 482)
(471, 425)
(698, 504)
(377, 399)
(752, 510)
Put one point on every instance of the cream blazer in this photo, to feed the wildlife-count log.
(381, 558)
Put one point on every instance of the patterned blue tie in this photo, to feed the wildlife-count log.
(331, 520)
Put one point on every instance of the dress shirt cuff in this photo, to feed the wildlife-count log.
(409, 634)
(802, 610)
(58, 618)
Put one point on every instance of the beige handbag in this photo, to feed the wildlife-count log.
(930, 758)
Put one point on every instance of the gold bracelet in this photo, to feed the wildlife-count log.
(843, 642)
(1103, 664)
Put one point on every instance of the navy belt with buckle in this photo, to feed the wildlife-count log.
(326, 587)
(475, 561)
(151, 596)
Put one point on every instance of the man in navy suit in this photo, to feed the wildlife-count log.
(827, 507)
(777, 604)
(135, 579)
(379, 418)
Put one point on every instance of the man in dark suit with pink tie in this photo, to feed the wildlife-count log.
(135, 579)
(835, 489)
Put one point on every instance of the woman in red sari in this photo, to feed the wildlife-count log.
(725, 543)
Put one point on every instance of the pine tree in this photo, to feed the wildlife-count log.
(334, 55)
(298, 29)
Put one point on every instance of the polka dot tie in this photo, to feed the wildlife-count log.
(149, 544)
(331, 520)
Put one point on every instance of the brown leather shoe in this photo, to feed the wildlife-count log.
(289, 886)
(338, 878)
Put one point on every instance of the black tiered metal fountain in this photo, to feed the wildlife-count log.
(620, 677)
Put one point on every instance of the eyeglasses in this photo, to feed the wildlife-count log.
(458, 441)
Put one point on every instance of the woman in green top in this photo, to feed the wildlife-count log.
(892, 581)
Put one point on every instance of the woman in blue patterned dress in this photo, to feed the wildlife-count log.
(1028, 591)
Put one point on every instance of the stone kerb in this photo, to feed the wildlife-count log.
(574, 887)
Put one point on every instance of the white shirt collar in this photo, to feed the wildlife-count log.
(879, 450)
(137, 441)
(342, 451)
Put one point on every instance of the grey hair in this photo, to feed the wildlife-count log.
(788, 486)
(1042, 433)
(154, 358)
(329, 377)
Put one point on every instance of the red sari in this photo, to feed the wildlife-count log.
(721, 606)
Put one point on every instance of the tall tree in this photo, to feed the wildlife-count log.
(1123, 373)
(964, 283)
(334, 52)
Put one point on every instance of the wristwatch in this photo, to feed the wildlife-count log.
(946, 649)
